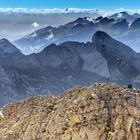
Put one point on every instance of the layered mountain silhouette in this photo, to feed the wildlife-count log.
(59, 67)
(121, 26)
(124, 15)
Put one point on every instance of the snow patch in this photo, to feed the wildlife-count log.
(120, 15)
(51, 36)
(129, 25)
(89, 19)
(75, 24)
(33, 35)
(30, 36)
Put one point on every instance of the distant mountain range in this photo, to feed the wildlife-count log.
(18, 22)
(121, 26)
(125, 15)
(59, 67)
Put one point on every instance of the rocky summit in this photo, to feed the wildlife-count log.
(100, 112)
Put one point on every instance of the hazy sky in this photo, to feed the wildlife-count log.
(106, 4)
(13, 27)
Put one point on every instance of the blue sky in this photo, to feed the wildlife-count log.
(101, 4)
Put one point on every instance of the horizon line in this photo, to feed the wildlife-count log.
(66, 10)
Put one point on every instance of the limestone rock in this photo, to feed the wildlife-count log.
(100, 112)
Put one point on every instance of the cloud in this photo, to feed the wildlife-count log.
(130, 11)
(47, 11)
(120, 9)
(64, 11)
(35, 24)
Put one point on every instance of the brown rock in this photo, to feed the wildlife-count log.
(101, 112)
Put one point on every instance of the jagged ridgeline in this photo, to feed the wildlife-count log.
(121, 26)
(101, 112)
(60, 67)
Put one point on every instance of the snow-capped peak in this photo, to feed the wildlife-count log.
(120, 15)
(89, 19)
(50, 36)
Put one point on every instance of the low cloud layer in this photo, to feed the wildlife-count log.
(46, 11)
(64, 10)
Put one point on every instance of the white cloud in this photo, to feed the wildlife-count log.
(35, 24)
(120, 9)
(60, 11)
(46, 11)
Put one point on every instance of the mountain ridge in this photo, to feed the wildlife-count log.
(59, 67)
(80, 30)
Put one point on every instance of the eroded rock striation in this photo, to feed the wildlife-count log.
(100, 112)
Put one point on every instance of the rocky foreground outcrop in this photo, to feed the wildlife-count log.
(100, 112)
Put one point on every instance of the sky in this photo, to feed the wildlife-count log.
(100, 4)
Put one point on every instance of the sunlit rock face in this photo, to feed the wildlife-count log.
(100, 112)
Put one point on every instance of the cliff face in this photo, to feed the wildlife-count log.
(60, 67)
(101, 112)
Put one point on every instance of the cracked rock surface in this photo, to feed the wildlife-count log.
(100, 112)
